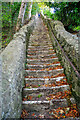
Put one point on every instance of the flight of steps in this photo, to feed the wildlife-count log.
(46, 93)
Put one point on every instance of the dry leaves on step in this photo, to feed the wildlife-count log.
(65, 112)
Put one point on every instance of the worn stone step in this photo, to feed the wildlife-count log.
(40, 48)
(37, 40)
(39, 81)
(49, 97)
(46, 90)
(45, 47)
(38, 106)
(42, 105)
(42, 97)
(55, 98)
(40, 45)
(58, 96)
(39, 67)
(39, 73)
(41, 52)
(57, 77)
(53, 84)
(41, 56)
(33, 43)
(42, 61)
(71, 118)
(50, 69)
(46, 114)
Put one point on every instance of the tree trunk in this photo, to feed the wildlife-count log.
(30, 8)
(21, 15)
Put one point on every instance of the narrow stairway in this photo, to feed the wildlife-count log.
(46, 93)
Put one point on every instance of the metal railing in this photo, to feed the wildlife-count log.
(74, 68)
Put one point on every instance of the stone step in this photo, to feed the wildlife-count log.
(49, 97)
(40, 52)
(39, 67)
(47, 114)
(40, 56)
(46, 90)
(39, 73)
(37, 40)
(59, 96)
(39, 81)
(42, 61)
(40, 48)
(42, 105)
(37, 45)
(56, 77)
(71, 118)
(49, 69)
(44, 68)
(40, 43)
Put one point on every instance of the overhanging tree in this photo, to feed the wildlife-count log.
(67, 12)
(30, 9)
(21, 15)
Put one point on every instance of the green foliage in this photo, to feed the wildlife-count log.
(10, 13)
(48, 14)
(77, 28)
(27, 10)
(67, 12)
(35, 8)
(40, 95)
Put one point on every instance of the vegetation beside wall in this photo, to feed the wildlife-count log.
(35, 8)
(67, 13)
(10, 13)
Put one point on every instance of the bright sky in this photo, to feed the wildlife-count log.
(52, 10)
(43, 6)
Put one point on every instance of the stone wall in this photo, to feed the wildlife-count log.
(13, 60)
(70, 44)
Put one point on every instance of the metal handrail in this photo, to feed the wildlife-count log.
(77, 73)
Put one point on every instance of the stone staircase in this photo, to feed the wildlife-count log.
(46, 93)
